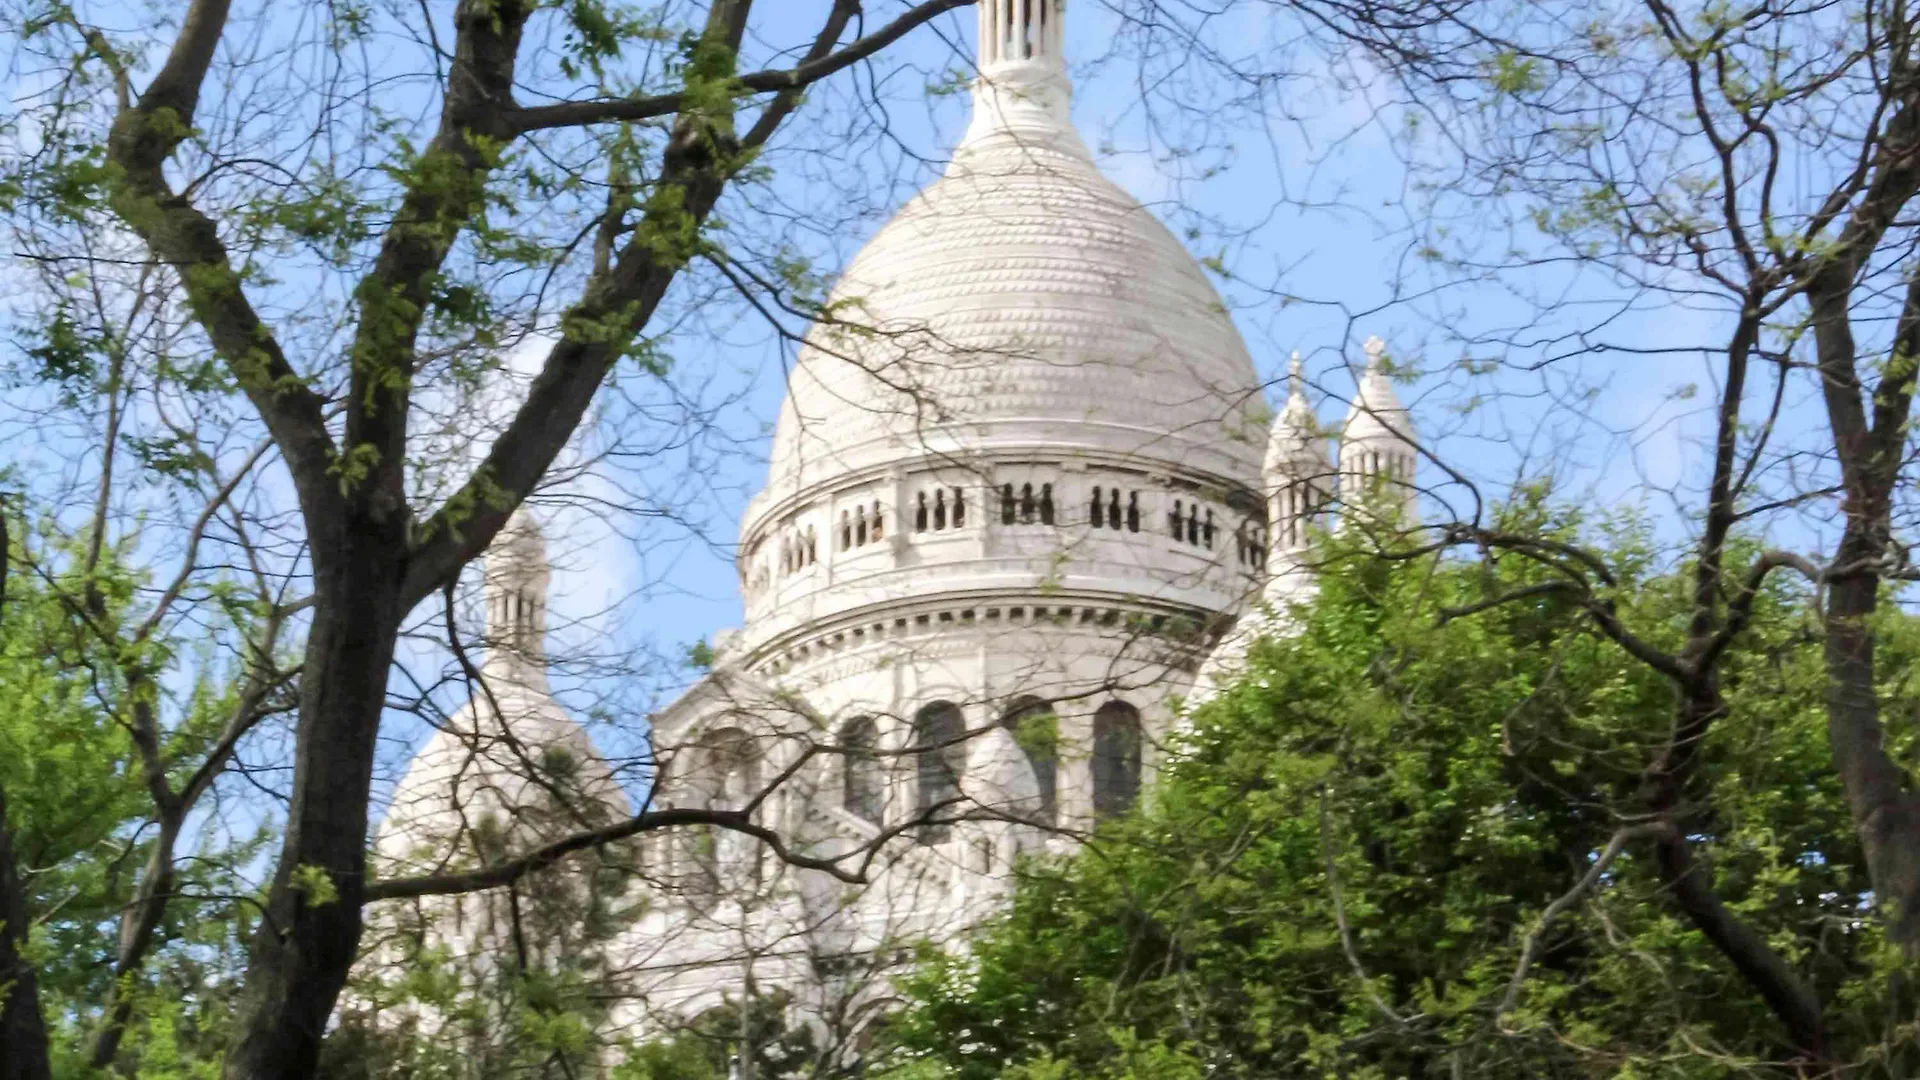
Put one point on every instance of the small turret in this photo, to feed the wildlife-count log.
(517, 574)
(1297, 473)
(1378, 440)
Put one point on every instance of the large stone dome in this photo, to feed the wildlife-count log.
(1023, 385)
(1021, 299)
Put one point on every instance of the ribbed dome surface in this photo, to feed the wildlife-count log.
(1022, 299)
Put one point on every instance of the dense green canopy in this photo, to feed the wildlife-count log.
(1341, 869)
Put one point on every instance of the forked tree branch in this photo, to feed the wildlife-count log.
(141, 141)
(702, 156)
(771, 80)
(1791, 999)
(1618, 842)
(443, 191)
(739, 821)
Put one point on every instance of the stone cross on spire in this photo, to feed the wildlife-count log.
(1376, 351)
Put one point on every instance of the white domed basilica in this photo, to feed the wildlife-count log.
(1022, 489)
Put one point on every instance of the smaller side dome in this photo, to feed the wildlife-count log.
(1376, 416)
(519, 544)
(511, 753)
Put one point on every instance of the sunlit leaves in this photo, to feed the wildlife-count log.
(1511, 74)
(598, 32)
(1433, 785)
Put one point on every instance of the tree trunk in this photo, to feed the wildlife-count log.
(23, 1035)
(1870, 426)
(1885, 814)
(310, 931)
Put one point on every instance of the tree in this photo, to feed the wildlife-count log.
(407, 233)
(737, 1040)
(134, 680)
(23, 1032)
(97, 939)
(1726, 184)
(1407, 843)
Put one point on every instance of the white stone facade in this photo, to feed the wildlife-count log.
(1023, 469)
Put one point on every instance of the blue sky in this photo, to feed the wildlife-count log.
(1307, 209)
(1310, 217)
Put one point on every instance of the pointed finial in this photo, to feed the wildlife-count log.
(1376, 351)
(1296, 382)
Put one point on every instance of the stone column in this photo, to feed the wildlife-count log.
(1073, 792)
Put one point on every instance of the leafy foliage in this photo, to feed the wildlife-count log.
(750, 1034)
(1342, 865)
(79, 809)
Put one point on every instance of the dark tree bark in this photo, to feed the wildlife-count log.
(1870, 427)
(310, 930)
(23, 1032)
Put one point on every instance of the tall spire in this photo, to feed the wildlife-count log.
(1022, 91)
(1296, 466)
(517, 575)
(1378, 440)
(1297, 410)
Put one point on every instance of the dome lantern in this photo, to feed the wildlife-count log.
(1022, 91)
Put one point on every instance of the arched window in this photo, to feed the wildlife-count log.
(1133, 511)
(1046, 504)
(920, 513)
(938, 760)
(1116, 758)
(878, 531)
(940, 508)
(1006, 504)
(729, 773)
(863, 778)
(860, 526)
(846, 531)
(1037, 730)
(1095, 508)
(1176, 520)
(959, 508)
(726, 776)
(1027, 504)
